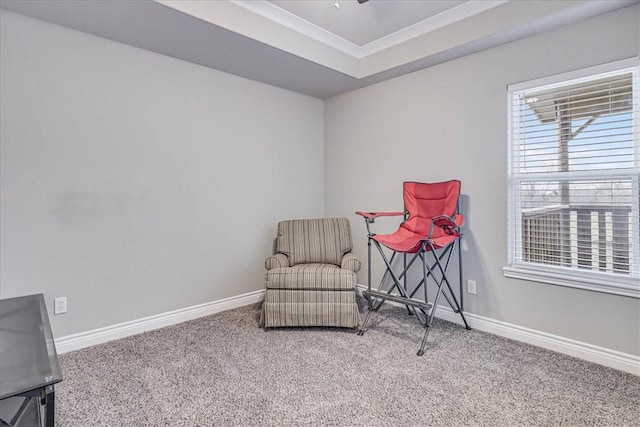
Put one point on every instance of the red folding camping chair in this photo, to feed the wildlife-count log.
(432, 224)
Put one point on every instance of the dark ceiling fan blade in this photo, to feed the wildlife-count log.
(362, 1)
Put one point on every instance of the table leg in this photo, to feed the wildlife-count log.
(50, 406)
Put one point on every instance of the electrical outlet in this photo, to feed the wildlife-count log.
(60, 305)
(471, 286)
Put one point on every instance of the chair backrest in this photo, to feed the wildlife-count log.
(424, 201)
(323, 240)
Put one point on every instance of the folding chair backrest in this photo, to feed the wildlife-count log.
(424, 201)
(323, 240)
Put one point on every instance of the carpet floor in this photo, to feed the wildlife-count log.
(224, 370)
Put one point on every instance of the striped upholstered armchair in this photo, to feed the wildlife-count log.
(311, 279)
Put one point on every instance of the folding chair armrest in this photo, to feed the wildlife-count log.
(277, 261)
(448, 224)
(370, 218)
(373, 215)
(350, 262)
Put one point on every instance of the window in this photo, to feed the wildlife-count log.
(574, 164)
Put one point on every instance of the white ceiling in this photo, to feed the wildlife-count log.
(309, 46)
(361, 24)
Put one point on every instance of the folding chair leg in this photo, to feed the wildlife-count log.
(404, 279)
(446, 281)
(424, 341)
(364, 324)
(466, 325)
(427, 271)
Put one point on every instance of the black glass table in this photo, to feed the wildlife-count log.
(28, 363)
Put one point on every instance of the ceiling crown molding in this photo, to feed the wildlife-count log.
(236, 17)
(287, 19)
(302, 26)
(453, 30)
(448, 17)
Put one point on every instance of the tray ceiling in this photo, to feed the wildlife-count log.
(310, 46)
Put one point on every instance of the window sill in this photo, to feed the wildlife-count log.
(625, 286)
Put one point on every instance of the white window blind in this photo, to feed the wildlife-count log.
(573, 179)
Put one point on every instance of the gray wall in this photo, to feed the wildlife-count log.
(134, 183)
(450, 121)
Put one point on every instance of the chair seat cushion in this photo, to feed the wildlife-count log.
(310, 276)
(404, 240)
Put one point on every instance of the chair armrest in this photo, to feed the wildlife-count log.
(370, 218)
(372, 215)
(459, 219)
(350, 262)
(276, 261)
(449, 225)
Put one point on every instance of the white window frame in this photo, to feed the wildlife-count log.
(564, 276)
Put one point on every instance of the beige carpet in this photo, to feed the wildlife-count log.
(225, 370)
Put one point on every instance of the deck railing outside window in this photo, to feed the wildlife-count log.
(598, 238)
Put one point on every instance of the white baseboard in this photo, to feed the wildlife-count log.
(603, 356)
(592, 353)
(121, 330)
